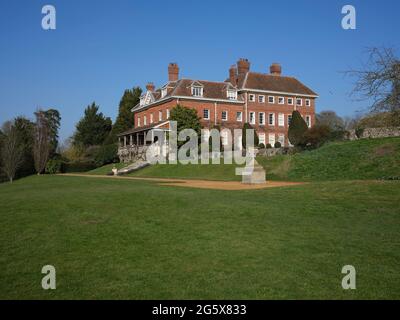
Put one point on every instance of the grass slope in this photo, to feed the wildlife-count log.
(225, 172)
(135, 239)
(362, 159)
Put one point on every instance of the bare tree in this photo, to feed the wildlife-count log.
(379, 80)
(42, 141)
(331, 119)
(11, 151)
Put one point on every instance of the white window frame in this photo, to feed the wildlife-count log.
(168, 114)
(290, 101)
(271, 139)
(271, 98)
(297, 102)
(308, 103)
(151, 118)
(226, 115)
(208, 114)
(261, 99)
(281, 139)
(308, 121)
(252, 117)
(239, 119)
(283, 100)
(197, 91)
(261, 138)
(138, 121)
(281, 119)
(252, 97)
(160, 115)
(231, 94)
(261, 115)
(144, 120)
(273, 119)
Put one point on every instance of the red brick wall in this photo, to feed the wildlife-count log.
(231, 108)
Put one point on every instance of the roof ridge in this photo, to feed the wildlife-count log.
(211, 81)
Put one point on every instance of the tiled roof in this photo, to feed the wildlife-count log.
(211, 90)
(217, 90)
(268, 82)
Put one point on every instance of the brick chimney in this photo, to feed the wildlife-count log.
(150, 86)
(243, 66)
(233, 74)
(173, 72)
(275, 69)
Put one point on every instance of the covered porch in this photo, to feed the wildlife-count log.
(133, 144)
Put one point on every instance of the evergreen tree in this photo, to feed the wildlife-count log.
(125, 118)
(93, 128)
(256, 140)
(54, 120)
(186, 118)
(297, 128)
(25, 130)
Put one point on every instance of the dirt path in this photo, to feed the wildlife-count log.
(203, 184)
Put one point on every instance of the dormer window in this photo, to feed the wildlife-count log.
(163, 92)
(231, 94)
(197, 91)
(146, 99)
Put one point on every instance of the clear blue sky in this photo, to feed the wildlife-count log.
(101, 48)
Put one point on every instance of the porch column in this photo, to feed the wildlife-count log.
(124, 141)
(131, 140)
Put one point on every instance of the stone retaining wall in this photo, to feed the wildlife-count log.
(375, 133)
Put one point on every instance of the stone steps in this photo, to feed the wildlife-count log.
(137, 165)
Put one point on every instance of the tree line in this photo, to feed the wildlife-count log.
(28, 147)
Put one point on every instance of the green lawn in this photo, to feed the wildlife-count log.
(225, 172)
(104, 170)
(348, 160)
(135, 239)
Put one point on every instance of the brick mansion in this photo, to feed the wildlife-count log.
(264, 100)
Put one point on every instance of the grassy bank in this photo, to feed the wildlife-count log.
(362, 159)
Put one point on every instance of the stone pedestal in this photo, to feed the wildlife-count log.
(256, 176)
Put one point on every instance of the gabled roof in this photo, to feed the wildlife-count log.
(275, 83)
(217, 91)
(183, 88)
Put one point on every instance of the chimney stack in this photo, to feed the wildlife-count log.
(150, 86)
(173, 72)
(243, 66)
(233, 75)
(275, 69)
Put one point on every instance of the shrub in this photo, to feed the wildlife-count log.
(268, 146)
(54, 166)
(256, 140)
(317, 136)
(359, 132)
(261, 146)
(106, 154)
(277, 144)
(297, 129)
(79, 166)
